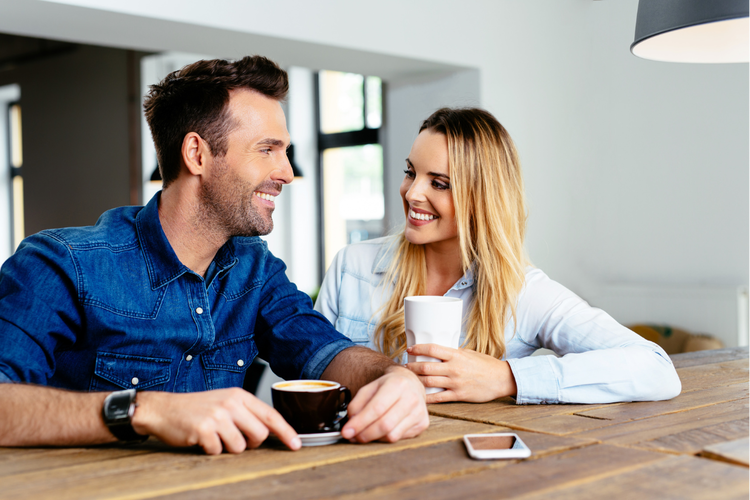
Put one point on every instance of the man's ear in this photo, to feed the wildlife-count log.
(195, 153)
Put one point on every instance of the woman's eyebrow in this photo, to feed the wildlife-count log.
(437, 174)
(433, 174)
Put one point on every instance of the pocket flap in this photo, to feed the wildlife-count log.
(233, 355)
(132, 372)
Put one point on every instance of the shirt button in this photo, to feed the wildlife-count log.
(199, 310)
(189, 357)
(135, 381)
(240, 362)
(463, 282)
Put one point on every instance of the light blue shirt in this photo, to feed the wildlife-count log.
(598, 360)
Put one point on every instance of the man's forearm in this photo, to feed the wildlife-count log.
(357, 366)
(35, 415)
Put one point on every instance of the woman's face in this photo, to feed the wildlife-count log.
(426, 191)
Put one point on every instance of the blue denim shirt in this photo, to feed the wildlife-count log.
(111, 307)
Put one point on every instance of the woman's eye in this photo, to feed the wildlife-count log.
(440, 185)
(409, 173)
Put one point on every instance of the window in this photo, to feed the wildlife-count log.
(351, 160)
(15, 156)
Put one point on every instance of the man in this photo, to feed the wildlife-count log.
(176, 298)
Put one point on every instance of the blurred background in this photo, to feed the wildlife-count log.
(636, 171)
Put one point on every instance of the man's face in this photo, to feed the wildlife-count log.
(239, 189)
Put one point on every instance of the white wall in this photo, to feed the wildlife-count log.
(636, 171)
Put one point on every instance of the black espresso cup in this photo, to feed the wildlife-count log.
(311, 406)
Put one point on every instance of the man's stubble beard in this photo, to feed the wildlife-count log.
(227, 202)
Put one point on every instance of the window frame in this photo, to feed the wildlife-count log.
(361, 137)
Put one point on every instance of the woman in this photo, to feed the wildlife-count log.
(465, 224)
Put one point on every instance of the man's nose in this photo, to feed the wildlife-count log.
(284, 173)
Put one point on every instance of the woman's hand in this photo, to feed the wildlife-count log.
(464, 374)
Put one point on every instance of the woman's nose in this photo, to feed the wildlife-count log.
(416, 192)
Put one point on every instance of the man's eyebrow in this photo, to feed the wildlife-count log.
(270, 142)
(433, 174)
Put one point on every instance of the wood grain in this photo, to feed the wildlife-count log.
(505, 412)
(678, 478)
(42, 459)
(683, 360)
(699, 377)
(736, 451)
(677, 432)
(511, 480)
(153, 474)
(412, 466)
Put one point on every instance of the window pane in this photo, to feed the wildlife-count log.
(341, 102)
(374, 102)
(353, 204)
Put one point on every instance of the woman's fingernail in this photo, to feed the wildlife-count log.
(347, 433)
(296, 443)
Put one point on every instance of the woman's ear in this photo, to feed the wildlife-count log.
(195, 153)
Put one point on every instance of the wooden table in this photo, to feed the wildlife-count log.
(694, 446)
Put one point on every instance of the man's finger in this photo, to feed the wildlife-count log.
(230, 435)
(253, 429)
(273, 421)
(361, 424)
(360, 400)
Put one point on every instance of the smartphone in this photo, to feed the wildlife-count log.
(496, 445)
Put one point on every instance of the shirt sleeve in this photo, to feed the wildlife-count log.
(38, 309)
(600, 360)
(298, 342)
(327, 302)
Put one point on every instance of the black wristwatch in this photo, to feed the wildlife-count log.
(118, 411)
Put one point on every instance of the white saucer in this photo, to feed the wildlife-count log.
(320, 438)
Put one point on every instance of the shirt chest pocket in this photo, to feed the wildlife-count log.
(125, 371)
(226, 363)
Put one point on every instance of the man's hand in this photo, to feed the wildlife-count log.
(390, 408)
(230, 419)
(465, 375)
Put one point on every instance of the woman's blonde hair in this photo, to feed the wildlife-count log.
(490, 208)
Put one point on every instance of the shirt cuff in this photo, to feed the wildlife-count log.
(4, 379)
(536, 380)
(316, 365)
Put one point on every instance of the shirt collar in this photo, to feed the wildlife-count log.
(161, 261)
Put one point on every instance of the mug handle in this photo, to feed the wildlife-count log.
(343, 391)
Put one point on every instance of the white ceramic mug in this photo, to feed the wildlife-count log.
(432, 320)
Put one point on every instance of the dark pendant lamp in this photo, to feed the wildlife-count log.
(295, 169)
(695, 31)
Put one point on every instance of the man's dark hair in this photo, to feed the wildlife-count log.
(195, 99)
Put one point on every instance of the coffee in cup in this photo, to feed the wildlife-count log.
(311, 406)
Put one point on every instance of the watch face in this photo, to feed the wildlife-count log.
(118, 406)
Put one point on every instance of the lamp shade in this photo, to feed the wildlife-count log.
(697, 31)
(295, 169)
